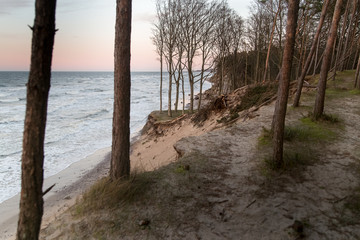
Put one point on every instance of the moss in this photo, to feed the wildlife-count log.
(315, 130)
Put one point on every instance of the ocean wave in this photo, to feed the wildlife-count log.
(95, 114)
(10, 154)
(10, 100)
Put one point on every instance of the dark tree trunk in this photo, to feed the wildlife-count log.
(31, 200)
(357, 75)
(120, 159)
(320, 96)
(350, 35)
(316, 56)
(340, 48)
(300, 81)
(283, 91)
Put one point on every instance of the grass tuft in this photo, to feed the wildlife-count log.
(163, 116)
(107, 194)
(292, 159)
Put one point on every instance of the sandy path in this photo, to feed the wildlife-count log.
(255, 208)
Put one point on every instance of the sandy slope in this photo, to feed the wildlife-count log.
(228, 197)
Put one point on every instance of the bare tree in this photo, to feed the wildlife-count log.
(31, 199)
(320, 96)
(271, 39)
(158, 41)
(206, 45)
(283, 91)
(120, 158)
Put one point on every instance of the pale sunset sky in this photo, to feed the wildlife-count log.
(85, 40)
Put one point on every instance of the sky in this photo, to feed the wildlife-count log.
(85, 40)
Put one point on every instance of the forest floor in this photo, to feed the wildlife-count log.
(212, 180)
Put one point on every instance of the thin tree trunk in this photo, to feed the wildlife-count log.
(283, 91)
(300, 81)
(161, 80)
(170, 88)
(120, 159)
(356, 54)
(246, 66)
(320, 96)
(270, 42)
(357, 75)
(183, 92)
(302, 49)
(316, 56)
(341, 40)
(349, 35)
(31, 199)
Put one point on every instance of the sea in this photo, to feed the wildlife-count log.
(79, 119)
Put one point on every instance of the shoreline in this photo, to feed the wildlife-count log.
(74, 180)
(70, 183)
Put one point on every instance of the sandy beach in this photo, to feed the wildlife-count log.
(69, 185)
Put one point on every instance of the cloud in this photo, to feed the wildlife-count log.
(7, 6)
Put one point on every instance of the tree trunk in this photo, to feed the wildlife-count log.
(350, 35)
(341, 40)
(320, 96)
(357, 75)
(120, 159)
(177, 83)
(170, 87)
(283, 91)
(161, 80)
(270, 42)
(316, 56)
(300, 81)
(183, 92)
(246, 66)
(31, 199)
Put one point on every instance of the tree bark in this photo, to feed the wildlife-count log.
(320, 96)
(31, 199)
(300, 81)
(120, 159)
(283, 90)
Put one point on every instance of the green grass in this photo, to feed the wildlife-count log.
(302, 142)
(107, 194)
(163, 116)
(306, 130)
(355, 92)
(291, 159)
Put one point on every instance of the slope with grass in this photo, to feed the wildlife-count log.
(222, 187)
